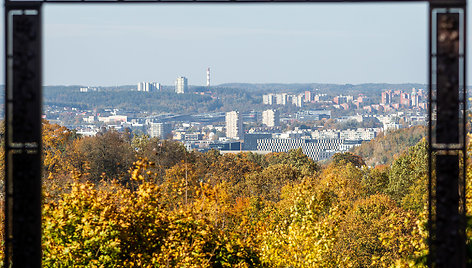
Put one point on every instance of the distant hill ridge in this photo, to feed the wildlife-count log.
(220, 98)
(368, 87)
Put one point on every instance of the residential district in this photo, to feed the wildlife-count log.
(336, 124)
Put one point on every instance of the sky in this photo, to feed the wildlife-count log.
(107, 45)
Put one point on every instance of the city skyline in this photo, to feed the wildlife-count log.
(273, 43)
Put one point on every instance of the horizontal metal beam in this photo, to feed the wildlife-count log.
(19, 2)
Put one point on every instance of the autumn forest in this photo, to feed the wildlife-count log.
(118, 200)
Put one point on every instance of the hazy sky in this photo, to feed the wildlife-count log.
(332, 43)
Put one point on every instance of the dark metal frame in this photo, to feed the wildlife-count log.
(23, 166)
(447, 152)
(446, 135)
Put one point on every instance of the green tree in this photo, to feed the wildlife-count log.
(408, 178)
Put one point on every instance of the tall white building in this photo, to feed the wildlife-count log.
(268, 99)
(271, 118)
(149, 86)
(297, 100)
(160, 130)
(281, 98)
(181, 85)
(157, 86)
(234, 125)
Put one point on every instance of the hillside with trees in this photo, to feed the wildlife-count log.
(220, 98)
(119, 201)
(390, 145)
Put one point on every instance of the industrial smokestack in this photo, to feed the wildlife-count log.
(208, 77)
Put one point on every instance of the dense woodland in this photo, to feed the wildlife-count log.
(115, 200)
(387, 147)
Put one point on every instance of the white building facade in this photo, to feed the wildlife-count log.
(271, 118)
(268, 99)
(181, 85)
(149, 86)
(160, 130)
(234, 125)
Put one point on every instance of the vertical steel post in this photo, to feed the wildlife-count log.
(23, 134)
(447, 133)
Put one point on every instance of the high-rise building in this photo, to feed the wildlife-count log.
(405, 99)
(156, 86)
(297, 100)
(386, 97)
(149, 86)
(160, 130)
(281, 98)
(234, 125)
(341, 99)
(309, 96)
(414, 98)
(181, 85)
(271, 118)
(268, 99)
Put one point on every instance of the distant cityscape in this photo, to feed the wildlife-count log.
(317, 122)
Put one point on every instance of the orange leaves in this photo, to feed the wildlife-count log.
(212, 210)
(81, 228)
(112, 226)
(344, 158)
(56, 140)
(332, 221)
